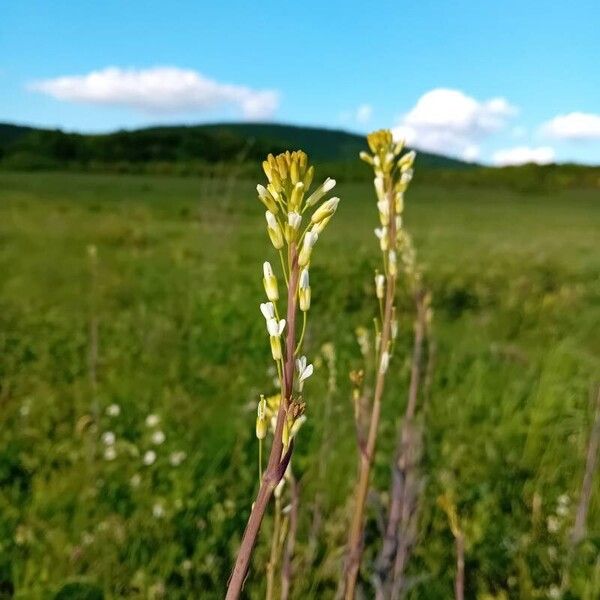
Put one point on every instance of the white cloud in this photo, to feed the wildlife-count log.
(450, 122)
(159, 90)
(360, 115)
(364, 113)
(573, 126)
(520, 155)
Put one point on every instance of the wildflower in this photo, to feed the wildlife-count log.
(293, 224)
(274, 230)
(267, 199)
(385, 361)
(304, 370)
(176, 458)
(379, 188)
(382, 234)
(270, 282)
(261, 419)
(399, 197)
(149, 457)
(366, 157)
(135, 480)
(310, 240)
(326, 210)
(392, 263)
(406, 162)
(379, 285)
(268, 310)
(274, 328)
(158, 437)
(325, 187)
(304, 291)
(553, 524)
(114, 410)
(158, 511)
(108, 438)
(110, 453)
(152, 420)
(384, 211)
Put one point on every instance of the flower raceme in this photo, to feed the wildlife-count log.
(296, 216)
(287, 197)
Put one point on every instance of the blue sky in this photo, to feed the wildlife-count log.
(497, 82)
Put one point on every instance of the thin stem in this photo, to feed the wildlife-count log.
(402, 492)
(259, 462)
(301, 334)
(278, 458)
(283, 267)
(286, 568)
(355, 539)
(274, 547)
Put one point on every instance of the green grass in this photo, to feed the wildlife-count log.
(516, 288)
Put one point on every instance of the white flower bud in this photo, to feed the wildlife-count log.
(304, 291)
(325, 210)
(325, 187)
(380, 285)
(310, 240)
(270, 282)
(385, 361)
(274, 230)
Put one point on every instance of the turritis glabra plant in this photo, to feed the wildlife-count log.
(393, 173)
(293, 232)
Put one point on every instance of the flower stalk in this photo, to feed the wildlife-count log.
(392, 176)
(289, 178)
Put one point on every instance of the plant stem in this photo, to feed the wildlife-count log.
(459, 583)
(586, 487)
(366, 458)
(286, 569)
(401, 507)
(278, 459)
(274, 546)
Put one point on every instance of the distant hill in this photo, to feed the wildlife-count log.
(210, 143)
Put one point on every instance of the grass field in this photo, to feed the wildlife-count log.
(175, 291)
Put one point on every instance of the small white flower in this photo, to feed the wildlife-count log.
(379, 285)
(310, 239)
(110, 453)
(271, 220)
(268, 310)
(385, 361)
(393, 263)
(325, 210)
(135, 480)
(294, 220)
(406, 177)
(114, 410)
(553, 524)
(176, 458)
(152, 420)
(108, 438)
(304, 370)
(379, 188)
(554, 592)
(158, 511)
(275, 328)
(186, 565)
(304, 279)
(267, 270)
(149, 457)
(158, 437)
(325, 187)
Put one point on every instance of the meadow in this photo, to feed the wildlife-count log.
(155, 334)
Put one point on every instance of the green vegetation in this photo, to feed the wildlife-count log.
(175, 289)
